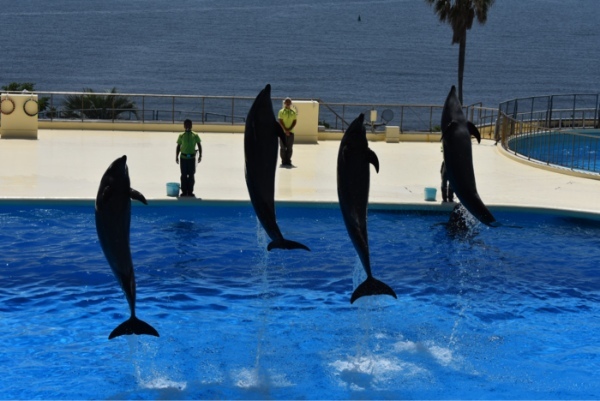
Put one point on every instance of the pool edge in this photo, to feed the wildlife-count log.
(414, 206)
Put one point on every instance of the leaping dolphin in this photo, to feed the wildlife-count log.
(458, 158)
(261, 138)
(353, 180)
(113, 218)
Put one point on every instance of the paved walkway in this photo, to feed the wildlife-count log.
(69, 164)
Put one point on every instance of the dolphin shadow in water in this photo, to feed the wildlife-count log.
(261, 137)
(353, 180)
(113, 219)
(458, 158)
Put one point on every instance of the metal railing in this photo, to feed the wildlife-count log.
(144, 107)
(232, 110)
(413, 118)
(559, 130)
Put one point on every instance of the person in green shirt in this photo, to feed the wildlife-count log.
(287, 119)
(186, 145)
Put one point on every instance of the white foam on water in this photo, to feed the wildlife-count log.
(162, 383)
(248, 378)
(148, 375)
(368, 372)
(257, 379)
(443, 356)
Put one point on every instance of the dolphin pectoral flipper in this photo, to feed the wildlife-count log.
(372, 158)
(133, 325)
(474, 131)
(286, 244)
(136, 195)
(372, 286)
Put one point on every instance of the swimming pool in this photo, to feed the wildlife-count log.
(579, 152)
(502, 313)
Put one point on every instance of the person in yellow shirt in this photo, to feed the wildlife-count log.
(186, 145)
(287, 118)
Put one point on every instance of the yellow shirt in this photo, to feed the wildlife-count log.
(188, 141)
(288, 116)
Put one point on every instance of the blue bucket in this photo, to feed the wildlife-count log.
(172, 188)
(430, 194)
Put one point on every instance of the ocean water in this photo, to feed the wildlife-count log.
(398, 53)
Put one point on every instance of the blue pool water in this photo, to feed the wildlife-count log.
(501, 313)
(579, 152)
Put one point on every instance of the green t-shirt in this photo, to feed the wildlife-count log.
(187, 141)
(288, 116)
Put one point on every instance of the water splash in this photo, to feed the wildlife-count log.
(260, 380)
(373, 372)
(442, 355)
(145, 356)
(162, 383)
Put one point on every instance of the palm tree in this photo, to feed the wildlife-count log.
(460, 14)
(96, 106)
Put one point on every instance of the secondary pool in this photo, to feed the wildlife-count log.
(508, 313)
(573, 149)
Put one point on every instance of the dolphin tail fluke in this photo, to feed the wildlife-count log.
(286, 244)
(372, 286)
(133, 325)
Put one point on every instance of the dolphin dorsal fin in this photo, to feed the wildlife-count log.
(136, 195)
(372, 158)
(474, 131)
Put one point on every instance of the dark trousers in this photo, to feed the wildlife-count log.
(188, 169)
(286, 148)
(447, 192)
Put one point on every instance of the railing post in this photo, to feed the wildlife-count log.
(498, 123)
(573, 114)
(574, 138)
(549, 114)
(232, 109)
(514, 119)
(401, 119)
(430, 118)
(173, 110)
(597, 141)
(596, 125)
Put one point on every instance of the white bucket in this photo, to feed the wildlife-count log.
(172, 188)
(430, 194)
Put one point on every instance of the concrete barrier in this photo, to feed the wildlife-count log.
(19, 116)
(307, 125)
(392, 134)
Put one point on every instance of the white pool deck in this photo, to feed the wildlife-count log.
(68, 164)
